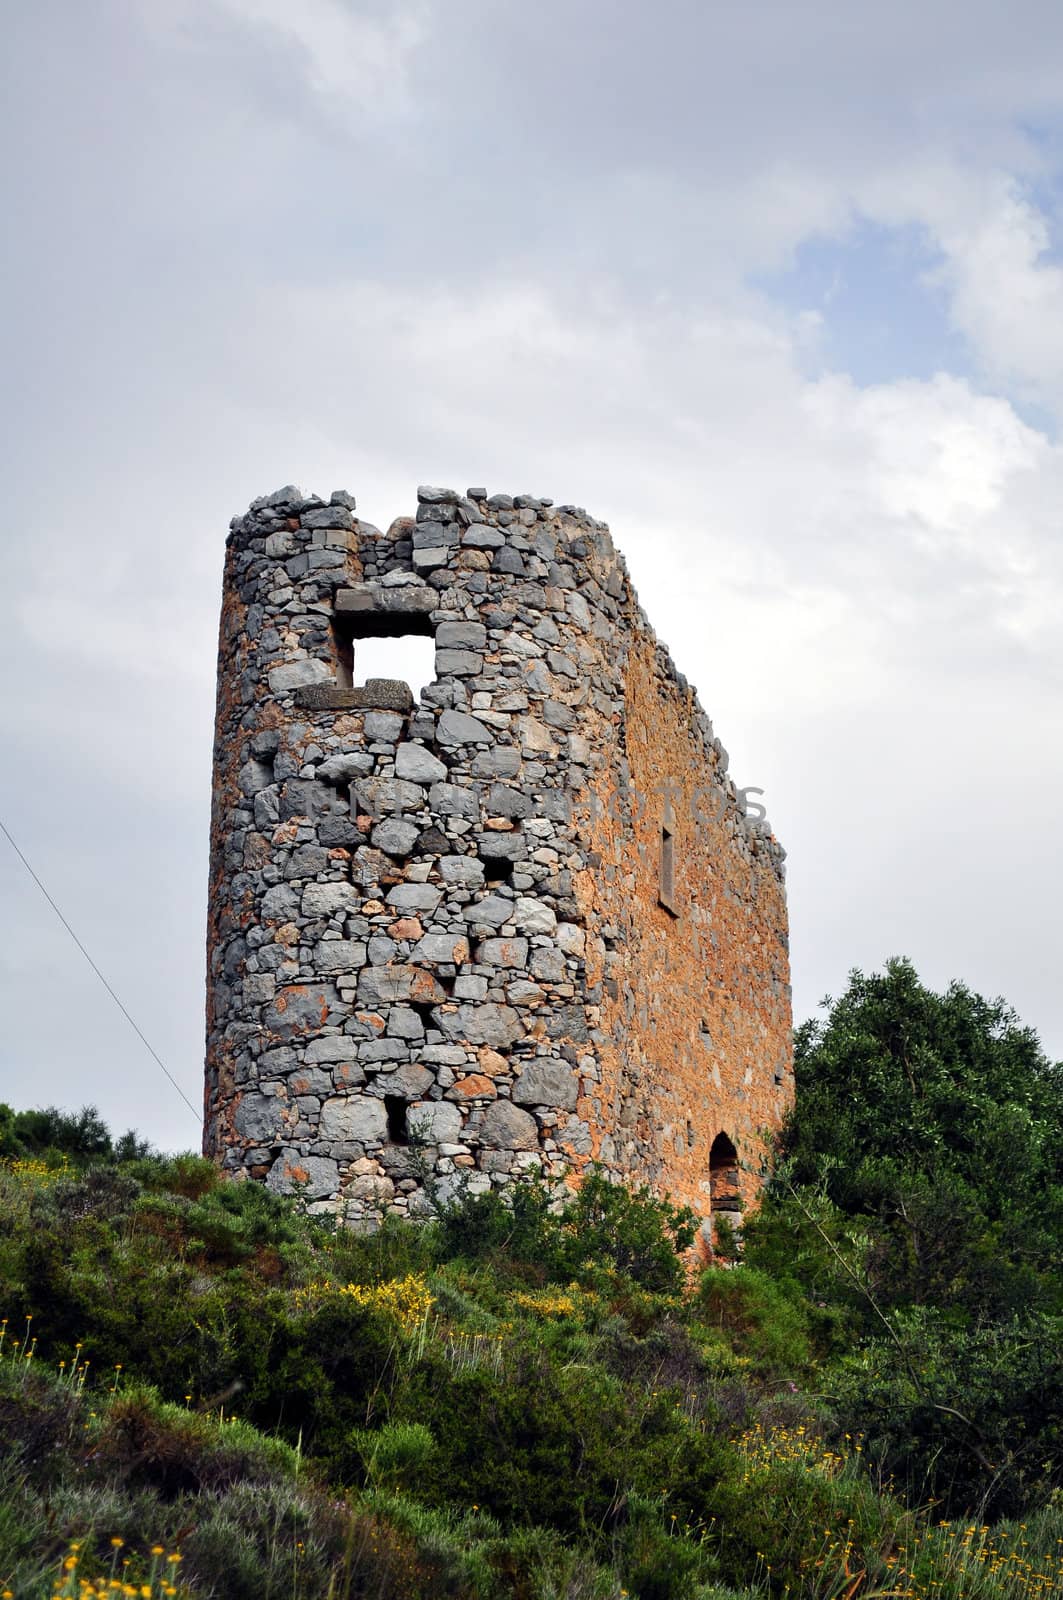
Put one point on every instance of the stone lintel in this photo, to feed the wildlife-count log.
(408, 600)
(379, 694)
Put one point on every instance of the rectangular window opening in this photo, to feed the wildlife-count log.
(394, 645)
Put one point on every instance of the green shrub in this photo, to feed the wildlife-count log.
(763, 1323)
(394, 1455)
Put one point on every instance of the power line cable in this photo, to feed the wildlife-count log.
(135, 1027)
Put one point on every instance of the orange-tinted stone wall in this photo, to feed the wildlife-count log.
(695, 1007)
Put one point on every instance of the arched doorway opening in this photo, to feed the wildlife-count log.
(725, 1194)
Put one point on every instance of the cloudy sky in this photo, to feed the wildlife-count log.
(773, 287)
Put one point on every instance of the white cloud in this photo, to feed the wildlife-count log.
(355, 54)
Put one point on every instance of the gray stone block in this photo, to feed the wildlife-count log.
(382, 797)
(442, 948)
(298, 675)
(503, 953)
(506, 1127)
(418, 765)
(313, 1177)
(383, 725)
(502, 801)
(492, 911)
(404, 1023)
(355, 1117)
(428, 494)
(328, 900)
(381, 986)
(280, 904)
(339, 955)
(458, 664)
(461, 636)
(258, 1117)
(418, 899)
(300, 1009)
(490, 1024)
(396, 836)
(410, 1082)
(532, 916)
(464, 872)
(451, 800)
(546, 1083)
(435, 1122)
(457, 727)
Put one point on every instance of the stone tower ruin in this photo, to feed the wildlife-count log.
(524, 921)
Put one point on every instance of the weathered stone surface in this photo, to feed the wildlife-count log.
(532, 916)
(356, 1117)
(492, 911)
(367, 599)
(461, 636)
(383, 797)
(548, 965)
(340, 955)
(280, 904)
(546, 1083)
(487, 1024)
(346, 767)
(409, 1082)
(457, 727)
(383, 693)
(458, 664)
(506, 1127)
(435, 1122)
(300, 1009)
(297, 675)
(328, 900)
(450, 800)
(421, 898)
(477, 1086)
(313, 1177)
(465, 871)
(383, 986)
(258, 1118)
(503, 952)
(570, 938)
(441, 947)
(428, 495)
(419, 765)
(337, 1048)
(396, 836)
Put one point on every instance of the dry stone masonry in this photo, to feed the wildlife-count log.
(526, 921)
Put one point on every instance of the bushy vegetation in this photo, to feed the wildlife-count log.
(204, 1393)
(918, 1213)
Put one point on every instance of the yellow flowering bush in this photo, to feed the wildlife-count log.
(547, 1303)
(764, 1448)
(70, 1584)
(28, 1169)
(404, 1301)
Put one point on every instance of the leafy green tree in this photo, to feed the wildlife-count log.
(940, 1116)
(918, 1204)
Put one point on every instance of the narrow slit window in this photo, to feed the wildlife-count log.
(398, 1131)
(667, 872)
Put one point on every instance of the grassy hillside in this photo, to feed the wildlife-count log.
(204, 1393)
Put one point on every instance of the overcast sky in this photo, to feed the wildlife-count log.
(774, 287)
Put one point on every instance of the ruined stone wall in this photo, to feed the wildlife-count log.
(447, 937)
